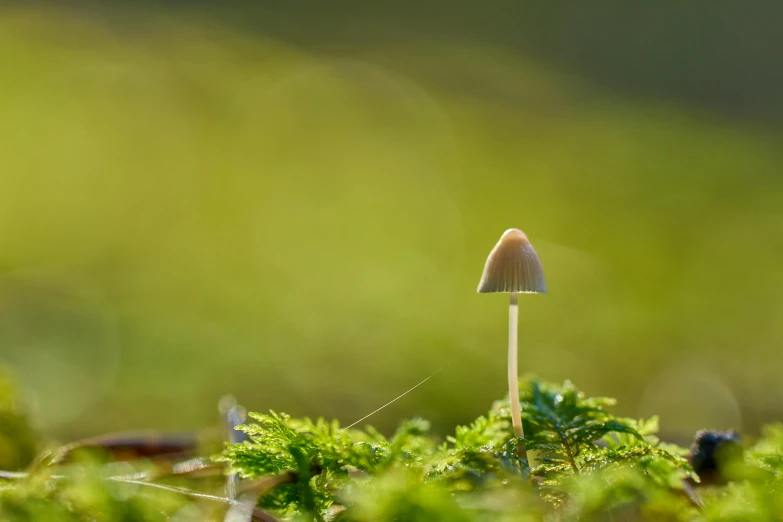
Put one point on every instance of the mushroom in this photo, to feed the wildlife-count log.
(513, 266)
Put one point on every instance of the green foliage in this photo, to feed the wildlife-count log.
(564, 426)
(400, 495)
(84, 495)
(585, 465)
(578, 448)
(766, 456)
(572, 434)
(320, 456)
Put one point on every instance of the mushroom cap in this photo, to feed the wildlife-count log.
(513, 266)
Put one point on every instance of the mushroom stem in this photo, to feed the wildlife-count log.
(513, 375)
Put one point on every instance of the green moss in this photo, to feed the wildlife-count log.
(578, 445)
(586, 465)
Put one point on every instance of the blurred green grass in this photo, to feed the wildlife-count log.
(188, 209)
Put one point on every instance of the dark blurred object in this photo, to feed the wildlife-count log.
(712, 453)
(132, 446)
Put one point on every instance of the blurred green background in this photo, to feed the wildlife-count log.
(293, 201)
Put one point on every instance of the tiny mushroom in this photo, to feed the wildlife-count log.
(513, 267)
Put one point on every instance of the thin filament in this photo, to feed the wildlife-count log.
(397, 398)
